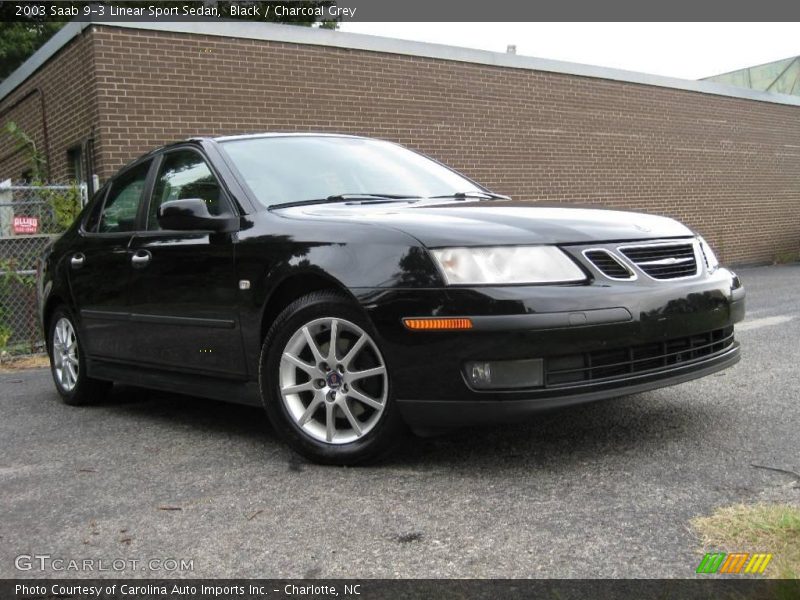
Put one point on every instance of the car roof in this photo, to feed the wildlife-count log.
(250, 136)
(199, 139)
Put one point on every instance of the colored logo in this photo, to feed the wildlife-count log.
(734, 563)
(334, 380)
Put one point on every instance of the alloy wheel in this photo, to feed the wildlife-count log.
(65, 354)
(333, 380)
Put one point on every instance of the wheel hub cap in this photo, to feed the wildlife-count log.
(333, 381)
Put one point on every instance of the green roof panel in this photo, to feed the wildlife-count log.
(779, 77)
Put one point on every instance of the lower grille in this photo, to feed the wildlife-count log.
(664, 261)
(607, 365)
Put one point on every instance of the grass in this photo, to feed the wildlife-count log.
(15, 363)
(785, 256)
(773, 528)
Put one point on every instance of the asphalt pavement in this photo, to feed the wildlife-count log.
(600, 490)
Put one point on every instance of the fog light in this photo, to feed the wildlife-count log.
(505, 374)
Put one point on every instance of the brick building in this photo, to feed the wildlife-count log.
(724, 160)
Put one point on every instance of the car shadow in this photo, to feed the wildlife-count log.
(208, 416)
(550, 440)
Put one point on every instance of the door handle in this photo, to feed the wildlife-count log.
(77, 260)
(141, 259)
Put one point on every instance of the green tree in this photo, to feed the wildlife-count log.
(19, 40)
(66, 204)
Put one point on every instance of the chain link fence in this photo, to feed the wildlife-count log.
(30, 216)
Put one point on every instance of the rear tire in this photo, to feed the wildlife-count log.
(333, 406)
(68, 362)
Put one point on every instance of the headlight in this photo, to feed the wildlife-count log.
(711, 259)
(506, 264)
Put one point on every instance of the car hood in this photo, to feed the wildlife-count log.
(474, 223)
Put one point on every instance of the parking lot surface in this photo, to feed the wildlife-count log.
(600, 490)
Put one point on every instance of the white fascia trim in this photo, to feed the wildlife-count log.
(356, 41)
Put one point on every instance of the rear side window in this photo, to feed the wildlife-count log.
(184, 174)
(122, 202)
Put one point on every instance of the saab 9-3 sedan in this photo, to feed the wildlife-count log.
(355, 288)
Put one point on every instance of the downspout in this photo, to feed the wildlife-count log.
(87, 150)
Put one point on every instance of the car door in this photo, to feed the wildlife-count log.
(183, 283)
(99, 265)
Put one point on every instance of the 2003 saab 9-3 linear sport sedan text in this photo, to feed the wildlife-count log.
(354, 287)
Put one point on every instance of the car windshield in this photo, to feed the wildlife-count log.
(282, 170)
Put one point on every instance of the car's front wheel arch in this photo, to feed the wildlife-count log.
(290, 288)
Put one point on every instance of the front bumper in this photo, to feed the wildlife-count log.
(640, 337)
(449, 413)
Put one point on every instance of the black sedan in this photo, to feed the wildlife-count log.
(353, 288)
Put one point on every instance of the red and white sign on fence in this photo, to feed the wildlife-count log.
(26, 225)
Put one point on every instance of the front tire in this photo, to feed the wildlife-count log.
(68, 363)
(325, 383)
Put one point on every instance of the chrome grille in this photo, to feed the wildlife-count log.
(608, 264)
(664, 261)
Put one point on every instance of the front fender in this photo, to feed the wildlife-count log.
(349, 256)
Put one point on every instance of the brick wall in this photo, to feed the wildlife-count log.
(67, 86)
(728, 167)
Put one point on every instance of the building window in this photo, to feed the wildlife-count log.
(75, 164)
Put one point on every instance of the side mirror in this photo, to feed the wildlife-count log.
(191, 214)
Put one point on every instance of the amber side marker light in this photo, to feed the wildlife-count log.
(434, 324)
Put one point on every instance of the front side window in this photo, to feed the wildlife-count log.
(184, 174)
(292, 169)
(122, 203)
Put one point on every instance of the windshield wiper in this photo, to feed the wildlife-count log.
(358, 196)
(480, 195)
(347, 198)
